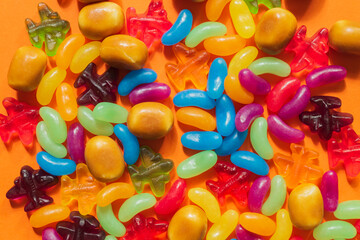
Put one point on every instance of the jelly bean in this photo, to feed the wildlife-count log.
(250, 161)
(224, 45)
(297, 104)
(76, 143)
(216, 78)
(334, 230)
(196, 164)
(195, 98)
(224, 227)
(257, 193)
(85, 55)
(134, 79)
(283, 131)
(54, 123)
(199, 140)
(55, 149)
(330, 191)
(306, 206)
(151, 92)
(214, 8)
(259, 139)
(55, 166)
(243, 234)
(50, 234)
(270, 65)
(204, 199)
(96, 127)
(242, 19)
(150, 120)
(48, 84)
(225, 116)
(296, 238)
(129, 142)
(109, 222)
(348, 210)
(190, 222)
(325, 75)
(246, 115)
(49, 214)
(172, 201)
(253, 83)
(343, 35)
(67, 50)
(357, 226)
(110, 237)
(231, 143)
(196, 117)
(113, 192)
(66, 102)
(104, 159)
(257, 223)
(179, 30)
(283, 226)
(135, 205)
(26, 69)
(203, 31)
(276, 197)
(110, 112)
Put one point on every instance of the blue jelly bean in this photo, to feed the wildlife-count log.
(179, 30)
(194, 98)
(129, 142)
(216, 78)
(134, 79)
(250, 161)
(55, 166)
(201, 140)
(225, 115)
(231, 143)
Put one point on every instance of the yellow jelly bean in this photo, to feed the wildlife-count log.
(224, 227)
(344, 37)
(204, 199)
(85, 55)
(275, 30)
(242, 19)
(283, 226)
(67, 50)
(49, 214)
(196, 117)
(66, 102)
(48, 85)
(113, 192)
(214, 8)
(224, 45)
(257, 223)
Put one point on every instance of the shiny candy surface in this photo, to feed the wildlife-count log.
(246, 115)
(214, 8)
(50, 233)
(284, 226)
(257, 193)
(250, 161)
(196, 164)
(253, 83)
(276, 198)
(151, 92)
(96, 127)
(171, 202)
(195, 98)
(348, 210)
(67, 50)
(343, 35)
(225, 115)
(224, 45)
(55, 124)
(113, 192)
(179, 30)
(242, 18)
(134, 205)
(204, 199)
(259, 139)
(66, 102)
(325, 75)
(334, 230)
(55, 166)
(196, 117)
(254, 4)
(283, 131)
(297, 104)
(270, 65)
(201, 140)
(48, 84)
(109, 222)
(76, 143)
(231, 143)
(49, 214)
(110, 112)
(203, 31)
(84, 56)
(224, 227)
(55, 149)
(136, 78)
(330, 190)
(257, 223)
(217, 74)
(244, 234)
(130, 143)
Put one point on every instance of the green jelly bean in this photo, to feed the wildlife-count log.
(110, 112)
(55, 124)
(203, 31)
(42, 134)
(276, 197)
(270, 65)
(334, 230)
(136, 204)
(196, 164)
(110, 237)
(109, 222)
(96, 127)
(348, 210)
(259, 139)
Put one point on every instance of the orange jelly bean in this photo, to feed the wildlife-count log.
(214, 8)
(196, 117)
(49, 214)
(113, 192)
(67, 50)
(224, 45)
(66, 102)
(344, 37)
(257, 223)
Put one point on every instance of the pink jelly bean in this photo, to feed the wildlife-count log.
(171, 202)
(297, 104)
(257, 193)
(330, 190)
(243, 234)
(76, 143)
(325, 75)
(151, 92)
(254, 83)
(50, 234)
(246, 115)
(283, 131)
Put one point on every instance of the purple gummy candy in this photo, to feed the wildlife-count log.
(283, 131)
(257, 193)
(50, 234)
(76, 143)
(254, 83)
(150, 92)
(297, 104)
(325, 75)
(246, 115)
(330, 190)
(243, 234)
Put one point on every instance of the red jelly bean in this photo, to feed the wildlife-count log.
(172, 201)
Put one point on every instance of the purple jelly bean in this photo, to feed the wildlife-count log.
(330, 190)
(254, 83)
(76, 143)
(151, 92)
(283, 131)
(243, 234)
(246, 115)
(257, 193)
(325, 75)
(50, 234)
(297, 104)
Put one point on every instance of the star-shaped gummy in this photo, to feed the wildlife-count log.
(324, 119)
(21, 120)
(99, 88)
(309, 53)
(232, 180)
(82, 228)
(83, 188)
(32, 184)
(154, 170)
(51, 30)
(298, 168)
(253, 5)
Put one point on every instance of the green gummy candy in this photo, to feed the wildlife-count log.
(276, 197)
(259, 139)
(109, 222)
(135, 205)
(334, 230)
(96, 127)
(270, 65)
(55, 149)
(55, 124)
(203, 31)
(110, 112)
(196, 164)
(348, 210)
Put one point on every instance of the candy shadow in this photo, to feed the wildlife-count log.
(198, 8)
(64, 3)
(299, 10)
(349, 61)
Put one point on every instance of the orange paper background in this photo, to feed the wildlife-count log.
(315, 14)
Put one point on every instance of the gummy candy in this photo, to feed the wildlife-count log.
(254, 4)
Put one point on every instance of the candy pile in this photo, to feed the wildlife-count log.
(98, 163)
